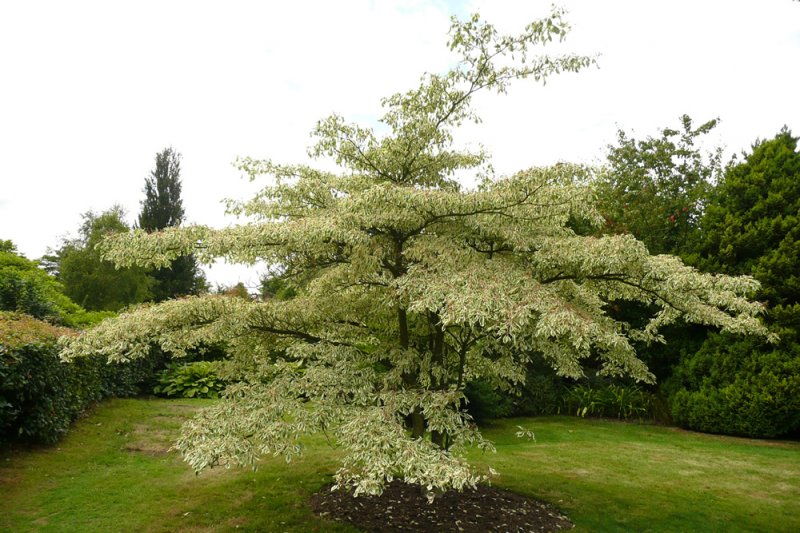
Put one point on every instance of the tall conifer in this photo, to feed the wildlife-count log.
(162, 208)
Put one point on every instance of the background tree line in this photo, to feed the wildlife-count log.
(74, 288)
(95, 283)
(667, 190)
(738, 218)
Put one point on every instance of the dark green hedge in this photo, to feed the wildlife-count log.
(40, 396)
(738, 387)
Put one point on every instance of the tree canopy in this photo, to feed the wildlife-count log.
(162, 207)
(408, 286)
(92, 281)
(26, 288)
(751, 226)
(753, 223)
(655, 188)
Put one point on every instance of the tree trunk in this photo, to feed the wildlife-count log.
(439, 439)
(417, 423)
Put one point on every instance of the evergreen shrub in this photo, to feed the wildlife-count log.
(738, 387)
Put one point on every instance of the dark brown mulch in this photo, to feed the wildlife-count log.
(403, 507)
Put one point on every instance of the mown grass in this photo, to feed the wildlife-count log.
(113, 473)
(614, 476)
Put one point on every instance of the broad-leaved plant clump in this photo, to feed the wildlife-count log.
(408, 285)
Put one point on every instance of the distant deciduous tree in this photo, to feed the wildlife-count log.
(162, 208)
(239, 290)
(26, 288)
(93, 282)
(409, 287)
(655, 188)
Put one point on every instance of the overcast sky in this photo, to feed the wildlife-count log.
(91, 91)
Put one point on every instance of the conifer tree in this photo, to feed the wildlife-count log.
(743, 386)
(162, 208)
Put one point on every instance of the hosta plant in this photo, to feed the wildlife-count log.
(190, 380)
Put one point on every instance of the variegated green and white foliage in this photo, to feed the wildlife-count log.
(409, 286)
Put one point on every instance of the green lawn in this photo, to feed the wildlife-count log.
(113, 473)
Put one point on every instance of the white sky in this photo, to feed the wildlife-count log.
(91, 91)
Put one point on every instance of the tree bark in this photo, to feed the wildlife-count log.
(417, 423)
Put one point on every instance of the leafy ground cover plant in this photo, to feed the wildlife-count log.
(191, 380)
(611, 400)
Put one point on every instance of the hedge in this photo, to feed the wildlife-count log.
(40, 396)
(738, 387)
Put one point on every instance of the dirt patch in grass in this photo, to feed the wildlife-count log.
(186, 409)
(403, 507)
(148, 440)
(156, 436)
(174, 419)
(9, 476)
(154, 451)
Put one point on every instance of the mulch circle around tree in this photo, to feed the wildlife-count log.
(403, 507)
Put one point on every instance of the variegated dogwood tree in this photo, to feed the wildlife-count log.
(408, 285)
